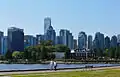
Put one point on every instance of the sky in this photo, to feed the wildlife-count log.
(90, 16)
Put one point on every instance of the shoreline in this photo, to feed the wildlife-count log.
(65, 70)
(58, 70)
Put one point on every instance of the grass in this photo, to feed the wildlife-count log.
(97, 73)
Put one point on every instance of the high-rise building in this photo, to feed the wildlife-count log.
(49, 32)
(67, 38)
(64, 34)
(47, 24)
(75, 43)
(99, 40)
(107, 42)
(15, 39)
(51, 35)
(1, 36)
(39, 38)
(58, 40)
(113, 42)
(29, 40)
(70, 41)
(82, 41)
(118, 39)
(90, 42)
(4, 45)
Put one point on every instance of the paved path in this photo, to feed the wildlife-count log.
(26, 72)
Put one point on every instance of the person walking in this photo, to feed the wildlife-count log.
(51, 65)
(55, 65)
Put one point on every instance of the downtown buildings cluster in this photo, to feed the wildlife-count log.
(17, 41)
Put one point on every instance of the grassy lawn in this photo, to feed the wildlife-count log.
(97, 73)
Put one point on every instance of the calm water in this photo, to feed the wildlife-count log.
(46, 66)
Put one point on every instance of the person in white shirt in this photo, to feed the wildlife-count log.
(55, 65)
(51, 65)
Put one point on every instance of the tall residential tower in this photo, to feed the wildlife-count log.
(15, 39)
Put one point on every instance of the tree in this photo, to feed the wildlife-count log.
(117, 52)
(44, 53)
(63, 48)
(50, 49)
(46, 43)
(16, 54)
(33, 56)
(28, 52)
(105, 53)
(22, 55)
(112, 52)
(8, 55)
(2, 57)
(51, 56)
(38, 52)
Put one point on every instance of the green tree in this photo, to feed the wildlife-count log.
(27, 54)
(38, 52)
(16, 54)
(117, 52)
(22, 55)
(33, 56)
(46, 43)
(8, 55)
(51, 56)
(2, 57)
(61, 48)
(112, 52)
(50, 49)
(44, 53)
(105, 53)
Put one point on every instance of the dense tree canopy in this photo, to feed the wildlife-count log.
(44, 51)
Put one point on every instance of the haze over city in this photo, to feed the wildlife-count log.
(90, 16)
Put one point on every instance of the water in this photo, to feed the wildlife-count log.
(46, 66)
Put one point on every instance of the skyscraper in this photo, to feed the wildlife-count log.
(70, 41)
(4, 45)
(89, 42)
(75, 43)
(67, 38)
(64, 34)
(82, 40)
(58, 40)
(39, 38)
(51, 35)
(107, 42)
(47, 24)
(15, 39)
(29, 40)
(1, 41)
(99, 40)
(118, 39)
(49, 32)
(113, 42)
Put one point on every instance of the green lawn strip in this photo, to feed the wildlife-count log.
(96, 73)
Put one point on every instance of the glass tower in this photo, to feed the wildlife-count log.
(15, 39)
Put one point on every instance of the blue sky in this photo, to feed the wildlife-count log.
(90, 16)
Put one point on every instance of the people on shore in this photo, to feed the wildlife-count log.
(53, 65)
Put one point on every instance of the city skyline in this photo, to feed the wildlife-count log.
(88, 16)
(57, 32)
